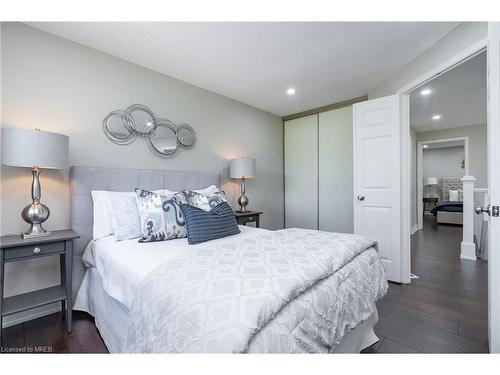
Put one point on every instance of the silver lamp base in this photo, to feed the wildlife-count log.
(243, 202)
(243, 199)
(35, 213)
(34, 233)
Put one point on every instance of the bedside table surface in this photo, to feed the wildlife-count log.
(56, 235)
(247, 213)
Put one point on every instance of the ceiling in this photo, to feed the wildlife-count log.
(255, 62)
(458, 95)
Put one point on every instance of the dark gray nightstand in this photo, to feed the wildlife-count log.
(242, 218)
(14, 248)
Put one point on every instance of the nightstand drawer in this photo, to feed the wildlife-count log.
(247, 219)
(31, 251)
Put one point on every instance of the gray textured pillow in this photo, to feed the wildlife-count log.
(125, 215)
(205, 202)
(161, 217)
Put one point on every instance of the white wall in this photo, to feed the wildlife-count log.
(60, 86)
(443, 162)
(477, 148)
(413, 180)
(460, 38)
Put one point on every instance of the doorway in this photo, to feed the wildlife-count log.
(447, 131)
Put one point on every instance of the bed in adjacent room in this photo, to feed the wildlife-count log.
(450, 209)
(257, 291)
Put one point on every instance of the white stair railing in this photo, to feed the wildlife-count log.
(468, 247)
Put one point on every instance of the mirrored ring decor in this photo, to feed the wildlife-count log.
(163, 136)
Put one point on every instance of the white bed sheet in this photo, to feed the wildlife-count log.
(123, 265)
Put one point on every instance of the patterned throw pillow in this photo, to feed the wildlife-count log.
(205, 202)
(205, 226)
(161, 216)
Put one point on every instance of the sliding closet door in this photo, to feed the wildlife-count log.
(336, 171)
(301, 173)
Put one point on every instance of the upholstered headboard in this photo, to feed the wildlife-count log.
(85, 179)
(447, 183)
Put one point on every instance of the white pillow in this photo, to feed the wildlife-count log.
(125, 215)
(103, 215)
(208, 190)
(103, 224)
(453, 195)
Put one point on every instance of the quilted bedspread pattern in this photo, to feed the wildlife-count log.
(292, 290)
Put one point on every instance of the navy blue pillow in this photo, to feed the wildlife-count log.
(205, 226)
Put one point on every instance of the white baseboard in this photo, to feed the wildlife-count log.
(413, 229)
(31, 314)
(467, 257)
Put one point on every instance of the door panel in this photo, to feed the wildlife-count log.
(301, 173)
(377, 182)
(373, 220)
(336, 171)
(494, 185)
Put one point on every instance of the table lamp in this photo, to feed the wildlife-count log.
(242, 168)
(432, 185)
(34, 149)
(431, 181)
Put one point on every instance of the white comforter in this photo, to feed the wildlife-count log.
(292, 290)
(122, 265)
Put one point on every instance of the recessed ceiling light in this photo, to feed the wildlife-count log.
(290, 91)
(436, 117)
(425, 92)
(425, 146)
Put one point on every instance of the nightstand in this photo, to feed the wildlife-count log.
(242, 218)
(426, 200)
(14, 248)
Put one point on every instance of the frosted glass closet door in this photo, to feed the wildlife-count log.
(301, 173)
(336, 171)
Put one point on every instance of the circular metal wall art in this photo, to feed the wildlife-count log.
(138, 115)
(163, 136)
(163, 139)
(115, 129)
(186, 136)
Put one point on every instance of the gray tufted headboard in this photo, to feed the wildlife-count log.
(447, 183)
(85, 179)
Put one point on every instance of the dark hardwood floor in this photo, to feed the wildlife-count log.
(444, 311)
(48, 335)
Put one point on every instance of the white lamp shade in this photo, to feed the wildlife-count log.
(431, 181)
(242, 168)
(30, 148)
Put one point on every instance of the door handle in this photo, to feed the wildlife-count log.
(479, 210)
(361, 197)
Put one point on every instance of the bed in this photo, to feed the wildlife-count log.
(446, 211)
(260, 291)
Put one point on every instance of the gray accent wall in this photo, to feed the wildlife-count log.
(477, 148)
(443, 162)
(63, 87)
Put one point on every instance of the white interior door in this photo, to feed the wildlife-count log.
(377, 185)
(301, 172)
(494, 185)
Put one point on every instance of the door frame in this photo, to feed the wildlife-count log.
(404, 93)
(420, 172)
